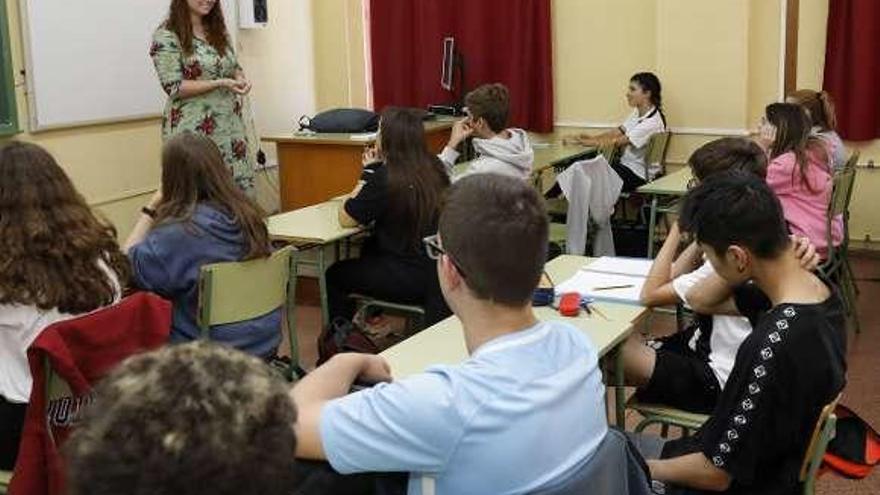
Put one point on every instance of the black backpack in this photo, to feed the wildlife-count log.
(344, 120)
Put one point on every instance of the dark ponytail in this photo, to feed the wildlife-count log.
(648, 81)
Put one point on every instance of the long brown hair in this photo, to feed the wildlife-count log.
(180, 23)
(51, 242)
(193, 172)
(819, 105)
(793, 134)
(416, 178)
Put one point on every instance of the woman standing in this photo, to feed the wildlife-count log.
(198, 69)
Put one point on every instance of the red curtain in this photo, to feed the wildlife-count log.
(852, 66)
(506, 41)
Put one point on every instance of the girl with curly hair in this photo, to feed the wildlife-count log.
(57, 260)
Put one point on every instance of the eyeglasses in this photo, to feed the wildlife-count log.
(435, 251)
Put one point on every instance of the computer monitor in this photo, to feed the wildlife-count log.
(446, 79)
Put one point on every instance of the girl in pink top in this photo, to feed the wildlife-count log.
(800, 173)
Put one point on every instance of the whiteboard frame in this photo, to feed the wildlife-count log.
(33, 121)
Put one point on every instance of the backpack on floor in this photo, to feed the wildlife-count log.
(855, 449)
(341, 335)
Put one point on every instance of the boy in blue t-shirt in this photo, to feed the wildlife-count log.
(523, 412)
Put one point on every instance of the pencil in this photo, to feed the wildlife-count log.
(613, 287)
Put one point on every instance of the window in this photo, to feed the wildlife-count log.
(8, 114)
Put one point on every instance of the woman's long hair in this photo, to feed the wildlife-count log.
(50, 241)
(819, 105)
(793, 134)
(416, 177)
(193, 172)
(179, 23)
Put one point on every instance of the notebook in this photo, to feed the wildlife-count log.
(610, 279)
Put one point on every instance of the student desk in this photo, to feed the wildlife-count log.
(443, 343)
(312, 227)
(317, 167)
(672, 185)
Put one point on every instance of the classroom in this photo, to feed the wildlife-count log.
(439, 247)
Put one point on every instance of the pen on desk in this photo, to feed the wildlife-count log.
(612, 287)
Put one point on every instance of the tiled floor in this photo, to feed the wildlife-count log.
(862, 393)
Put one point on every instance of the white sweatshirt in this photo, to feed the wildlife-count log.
(512, 156)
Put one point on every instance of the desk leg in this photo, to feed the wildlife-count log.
(322, 287)
(291, 317)
(619, 390)
(652, 224)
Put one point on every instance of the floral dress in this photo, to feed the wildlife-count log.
(217, 114)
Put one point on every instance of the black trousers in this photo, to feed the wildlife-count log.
(319, 478)
(11, 424)
(386, 277)
(631, 181)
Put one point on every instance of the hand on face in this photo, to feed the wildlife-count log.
(461, 130)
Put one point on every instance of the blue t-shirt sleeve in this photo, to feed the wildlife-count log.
(406, 426)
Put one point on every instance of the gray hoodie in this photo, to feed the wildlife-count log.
(513, 156)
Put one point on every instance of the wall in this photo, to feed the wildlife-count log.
(116, 166)
(864, 223)
(719, 62)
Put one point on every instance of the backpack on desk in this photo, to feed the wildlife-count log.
(342, 120)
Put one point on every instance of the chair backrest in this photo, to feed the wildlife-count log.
(841, 195)
(656, 153)
(822, 434)
(853, 160)
(613, 468)
(237, 291)
(66, 360)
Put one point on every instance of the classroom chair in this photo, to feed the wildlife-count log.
(823, 433)
(614, 468)
(414, 314)
(658, 147)
(836, 266)
(67, 359)
(5, 477)
(230, 292)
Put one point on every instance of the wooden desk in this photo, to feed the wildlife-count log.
(315, 168)
(672, 185)
(312, 227)
(443, 343)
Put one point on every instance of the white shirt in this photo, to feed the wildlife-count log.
(728, 332)
(639, 131)
(525, 410)
(19, 327)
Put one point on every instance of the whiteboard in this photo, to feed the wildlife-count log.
(87, 61)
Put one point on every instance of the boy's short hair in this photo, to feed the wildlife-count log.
(491, 102)
(728, 154)
(495, 230)
(738, 208)
(193, 419)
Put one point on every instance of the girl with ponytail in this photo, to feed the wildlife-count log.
(647, 118)
(820, 107)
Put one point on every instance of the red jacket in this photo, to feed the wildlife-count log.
(81, 351)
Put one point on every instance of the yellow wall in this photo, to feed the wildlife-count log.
(116, 166)
(597, 46)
